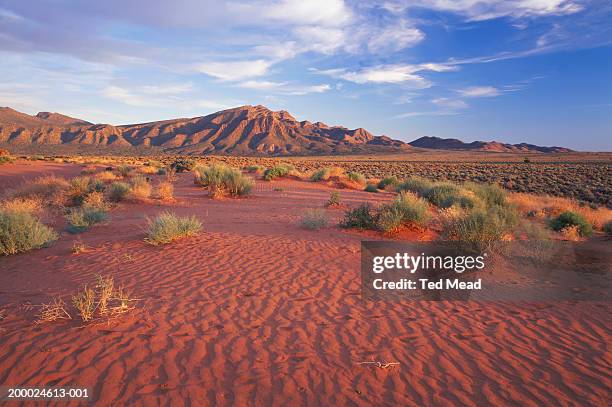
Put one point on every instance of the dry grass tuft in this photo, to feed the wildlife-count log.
(78, 247)
(105, 289)
(165, 191)
(84, 302)
(140, 189)
(543, 206)
(53, 311)
(571, 233)
(27, 204)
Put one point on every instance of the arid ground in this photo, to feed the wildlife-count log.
(258, 311)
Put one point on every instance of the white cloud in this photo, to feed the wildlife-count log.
(479, 91)
(395, 39)
(477, 10)
(407, 74)
(235, 70)
(450, 103)
(142, 97)
(328, 13)
(261, 85)
(320, 39)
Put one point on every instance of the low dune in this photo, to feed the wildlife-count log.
(259, 311)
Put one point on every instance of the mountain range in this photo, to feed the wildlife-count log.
(245, 130)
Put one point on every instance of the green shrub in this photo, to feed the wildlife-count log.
(334, 199)
(222, 180)
(415, 184)
(390, 218)
(5, 159)
(481, 228)
(356, 177)
(361, 217)
(162, 171)
(371, 188)
(78, 190)
(570, 218)
(21, 231)
(489, 194)
(255, 168)
(607, 228)
(443, 195)
(407, 207)
(81, 219)
(314, 219)
(392, 181)
(117, 191)
(277, 171)
(322, 174)
(183, 164)
(168, 227)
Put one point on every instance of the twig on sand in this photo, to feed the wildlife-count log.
(381, 365)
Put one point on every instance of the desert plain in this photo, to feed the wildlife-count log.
(260, 308)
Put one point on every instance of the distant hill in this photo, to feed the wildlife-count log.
(438, 143)
(243, 130)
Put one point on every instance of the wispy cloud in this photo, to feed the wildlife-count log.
(479, 91)
(389, 74)
(235, 70)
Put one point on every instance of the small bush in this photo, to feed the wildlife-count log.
(607, 228)
(140, 189)
(443, 195)
(165, 191)
(47, 188)
(20, 231)
(30, 205)
(168, 227)
(371, 188)
(323, 174)
(84, 302)
(314, 219)
(356, 177)
(362, 218)
(479, 228)
(277, 171)
(255, 168)
(388, 181)
(118, 191)
(407, 207)
(81, 219)
(570, 218)
(490, 195)
(78, 190)
(124, 170)
(334, 199)
(183, 165)
(5, 159)
(221, 180)
(415, 184)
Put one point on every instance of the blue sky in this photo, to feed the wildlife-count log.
(537, 71)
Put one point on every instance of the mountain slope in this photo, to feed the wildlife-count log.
(242, 130)
(438, 143)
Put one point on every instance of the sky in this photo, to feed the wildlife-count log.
(536, 71)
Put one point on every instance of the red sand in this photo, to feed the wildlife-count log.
(257, 311)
